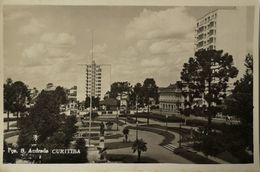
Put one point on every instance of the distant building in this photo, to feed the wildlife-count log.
(33, 93)
(123, 100)
(72, 98)
(170, 98)
(93, 80)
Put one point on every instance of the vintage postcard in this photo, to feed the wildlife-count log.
(130, 86)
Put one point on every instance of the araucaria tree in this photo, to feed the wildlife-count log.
(150, 91)
(206, 76)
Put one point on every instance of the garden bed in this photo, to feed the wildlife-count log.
(198, 159)
(129, 158)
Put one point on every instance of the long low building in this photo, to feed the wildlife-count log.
(170, 98)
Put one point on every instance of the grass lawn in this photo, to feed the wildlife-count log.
(168, 137)
(120, 123)
(118, 145)
(185, 133)
(129, 158)
(198, 159)
(11, 134)
(114, 136)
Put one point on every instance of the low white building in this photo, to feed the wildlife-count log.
(170, 98)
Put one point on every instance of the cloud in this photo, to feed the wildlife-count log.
(52, 48)
(100, 48)
(15, 15)
(173, 22)
(34, 26)
(161, 41)
(152, 62)
(34, 55)
(58, 39)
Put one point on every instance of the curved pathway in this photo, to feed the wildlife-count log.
(154, 150)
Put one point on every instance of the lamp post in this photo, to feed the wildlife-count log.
(117, 119)
(180, 137)
(166, 122)
(136, 106)
(136, 130)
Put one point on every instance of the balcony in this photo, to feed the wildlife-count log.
(201, 36)
(212, 24)
(211, 40)
(201, 29)
(212, 32)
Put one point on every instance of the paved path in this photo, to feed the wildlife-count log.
(154, 150)
(174, 144)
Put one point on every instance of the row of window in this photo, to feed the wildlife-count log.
(204, 43)
(207, 19)
(207, 27)
(205, 35)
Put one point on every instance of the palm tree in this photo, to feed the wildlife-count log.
(139, 146)
(126, 132)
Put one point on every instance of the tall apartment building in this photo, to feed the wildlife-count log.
(223, 29)
(93, 80)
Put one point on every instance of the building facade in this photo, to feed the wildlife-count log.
(72, 99)
(223, 29)
(170, 98)
(123, 100)
(93, 80)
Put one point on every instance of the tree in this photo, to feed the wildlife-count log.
(44, 117)
(8, 99)
(126, 132)
(241, 101)
(60, 95)
(20, 95)
(188, 77)
(206, 76)
(119, 87)
(150, 90)
(139, 146)
(69, 128)
(137, 94)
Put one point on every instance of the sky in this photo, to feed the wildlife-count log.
(45, 44)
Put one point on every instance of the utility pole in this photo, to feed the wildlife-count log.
(117, 119)
(136, 106)
(166, 122)
(91, 88)
(136, 130)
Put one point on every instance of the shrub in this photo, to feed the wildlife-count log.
(109, 125)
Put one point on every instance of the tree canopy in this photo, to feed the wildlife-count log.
(118, 88)
(206, 76)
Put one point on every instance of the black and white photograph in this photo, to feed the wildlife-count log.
(128, 84)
